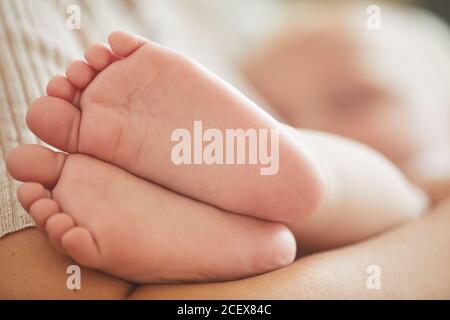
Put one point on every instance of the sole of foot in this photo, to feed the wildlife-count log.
(124, 103)
(106, 218)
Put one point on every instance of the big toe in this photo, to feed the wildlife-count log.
(56, 122)
(33, 163)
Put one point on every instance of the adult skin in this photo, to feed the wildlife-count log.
(31, 269)
(414, 261)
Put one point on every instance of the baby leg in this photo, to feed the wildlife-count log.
(366, 194)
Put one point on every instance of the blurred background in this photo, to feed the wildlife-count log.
(440, 7)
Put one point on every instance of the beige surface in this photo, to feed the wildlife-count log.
(35, 45)
(13, 217)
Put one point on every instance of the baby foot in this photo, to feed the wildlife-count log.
(108, 219)
(137, 93)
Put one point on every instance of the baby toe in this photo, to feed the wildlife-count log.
(100, 56)
(41, 211)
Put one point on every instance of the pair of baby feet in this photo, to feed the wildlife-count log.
(116, 202)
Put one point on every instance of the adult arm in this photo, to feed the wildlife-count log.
(414, 261)
(31, 269)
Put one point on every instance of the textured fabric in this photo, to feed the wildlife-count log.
(21, 79)
(35, 44)
(13, 217)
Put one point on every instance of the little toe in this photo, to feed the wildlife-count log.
(30, 192)
(35, 163)
(57, 225)
(80, 244)
(56, 122)
(60, 87)
(100, 56)
(123, 44)
(80, 74)
(42, 209)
